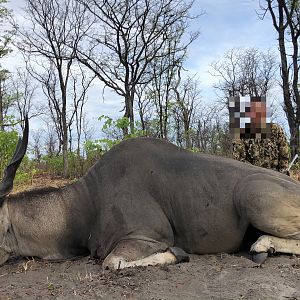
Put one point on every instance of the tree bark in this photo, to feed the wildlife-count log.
(283, 23)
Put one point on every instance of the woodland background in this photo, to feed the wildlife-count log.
(137, 49)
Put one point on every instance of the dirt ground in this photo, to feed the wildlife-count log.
(205, 277)
(219, 276)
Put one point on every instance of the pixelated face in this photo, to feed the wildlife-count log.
(257, 113)
(248, 117)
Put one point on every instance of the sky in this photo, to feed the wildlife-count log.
(223, 24)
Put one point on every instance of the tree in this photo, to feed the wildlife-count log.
(187, 97)
(51, 141)
(80, 85)
(244, 72)
(5, 97)
(50, 43)
(5, 39)
(161, 89)
(144, 106)
(127, 37)
(286, 21)
(36, 144)
(23, 90)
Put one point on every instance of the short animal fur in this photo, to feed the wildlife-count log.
(147, 202)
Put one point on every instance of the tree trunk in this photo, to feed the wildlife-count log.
(295, 88)
(126, 115)
(292, 114)
(129, 113)
(142, 120)
(131, 117)
(65, 146)
(64, 128)
(294, 141)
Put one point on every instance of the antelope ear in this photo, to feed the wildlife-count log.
(10, 171)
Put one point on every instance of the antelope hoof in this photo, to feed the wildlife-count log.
(259, 258)
(180, 254)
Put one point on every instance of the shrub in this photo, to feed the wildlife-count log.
(8, 142)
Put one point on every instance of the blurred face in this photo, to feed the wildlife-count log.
(257, 112)
(248, 117)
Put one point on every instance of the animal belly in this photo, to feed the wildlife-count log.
(212, 236)
(216, 243)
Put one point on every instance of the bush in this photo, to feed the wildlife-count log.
(8, 143)
(53, 165)
(113, 131)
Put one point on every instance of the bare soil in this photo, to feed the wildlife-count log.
(219, 276)
(205, 277)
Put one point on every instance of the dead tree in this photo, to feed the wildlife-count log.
(5, 40)
(23, 90)
(36, 144)
(144, 106)
(210, 131)
(49, 42)
(286, 21)
(187, 96)
(127, 38)
(160, 89)
(244, 72)
(5, 98)
(51, 140)
(81, 82)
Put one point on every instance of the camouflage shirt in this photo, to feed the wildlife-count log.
(272, 153)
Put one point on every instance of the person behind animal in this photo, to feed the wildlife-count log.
(260, 143)
(271, 153)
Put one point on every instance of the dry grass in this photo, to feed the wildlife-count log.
(43, 180)
(46, 180)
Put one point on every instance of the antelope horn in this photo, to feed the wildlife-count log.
(10, 171)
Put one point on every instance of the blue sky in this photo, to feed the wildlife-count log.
(225, 24)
